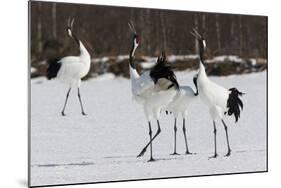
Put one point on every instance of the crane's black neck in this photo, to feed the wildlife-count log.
(195, 83)
(201, 51)
(131, 61)
(76, 39)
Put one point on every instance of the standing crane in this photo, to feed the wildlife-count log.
(154, 89)
(71, 69)
(179, 107)
(219, 100)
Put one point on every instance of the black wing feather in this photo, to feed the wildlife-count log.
(163, 70)
(234, 103)
(53, 68)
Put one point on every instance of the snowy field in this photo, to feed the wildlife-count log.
(103, 145)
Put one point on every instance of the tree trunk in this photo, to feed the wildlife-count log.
(196, 27)
(39, 29)
(204, 23)
(54, 19)
(240, 36)
(218, 33)
(163, 29)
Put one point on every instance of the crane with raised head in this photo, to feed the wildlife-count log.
(71, 69)
(220, 101)
(154, 89)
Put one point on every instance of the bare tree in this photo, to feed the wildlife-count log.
(163, 29)
(240, 36)
(204, 22)
(54, 19)
(105, 29)
(218, 32)
(39, 29)
(196, 25)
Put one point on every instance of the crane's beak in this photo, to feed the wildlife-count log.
(70, 23)
(196, 34)
(132, 27)
(70, 26)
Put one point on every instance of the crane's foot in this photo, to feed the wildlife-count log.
(228, 153)
(189, 153)
(142, 152)
(214, 156)
(151, 160)
(62, 113)
(175, 153)
(83, 113)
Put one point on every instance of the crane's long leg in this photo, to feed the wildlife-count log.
(175, 138)
(82, 109)
(226, 134)
(150, 136)
(150, 142)
(215, 141)
(184, 133)
(67, 95)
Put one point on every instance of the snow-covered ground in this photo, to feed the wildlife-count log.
(103, 145)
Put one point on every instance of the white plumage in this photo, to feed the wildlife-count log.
(71, 69)
(74, 68)
(179, 107)
(142, 85)
(219, 100)
(212, 94)
(151, 90)
(184, 97)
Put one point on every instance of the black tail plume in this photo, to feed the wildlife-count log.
(234, 103)
(53, 68)
(163, 70)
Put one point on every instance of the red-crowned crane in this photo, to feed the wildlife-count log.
(219, 100)
(71, 69)
(154, 89)
(179, 108)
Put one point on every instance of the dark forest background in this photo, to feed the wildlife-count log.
(104, 31)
